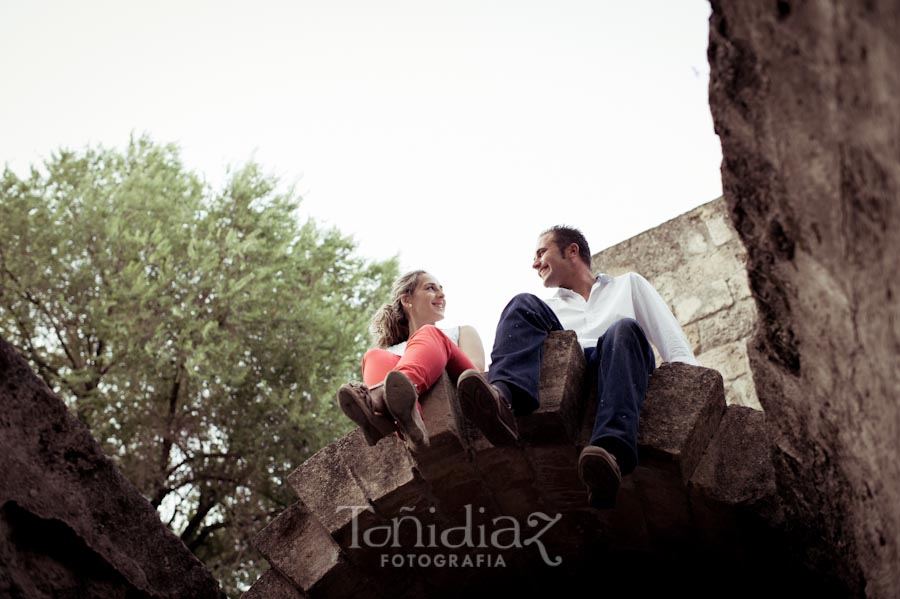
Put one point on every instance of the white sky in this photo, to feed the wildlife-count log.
(449, 133)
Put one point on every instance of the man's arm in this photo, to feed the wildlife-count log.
(658, 322)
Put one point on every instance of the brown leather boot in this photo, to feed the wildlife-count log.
(356, 402)
(599, 471)
(401, 398)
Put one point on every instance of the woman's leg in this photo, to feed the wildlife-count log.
(376, 364)
(428, 352)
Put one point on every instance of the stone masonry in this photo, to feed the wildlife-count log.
(694, 492)
(698, 264)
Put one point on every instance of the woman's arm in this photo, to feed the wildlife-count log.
(471, 344)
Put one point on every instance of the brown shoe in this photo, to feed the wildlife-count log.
(484, 405)
(356, 403)
(401, 399)
(599, 471)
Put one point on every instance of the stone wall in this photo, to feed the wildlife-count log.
(804, 99)
(697, 263)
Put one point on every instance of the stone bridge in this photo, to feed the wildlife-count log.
(703, 491)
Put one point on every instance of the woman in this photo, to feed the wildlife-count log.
(409, 356)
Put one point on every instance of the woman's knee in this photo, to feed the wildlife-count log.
(374, 354)
(378, 359)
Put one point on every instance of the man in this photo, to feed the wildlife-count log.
(614, 318)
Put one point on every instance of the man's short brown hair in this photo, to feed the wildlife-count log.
(565, 236)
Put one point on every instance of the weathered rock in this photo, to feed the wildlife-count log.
(272, 585)
(301, 550)
(558, 419)
(803, 97)
(681, 413)
(737, 466)
(71, 523)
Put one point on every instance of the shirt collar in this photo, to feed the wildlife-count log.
(600, 279)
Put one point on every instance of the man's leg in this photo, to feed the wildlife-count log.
(624, 361)
(518, 350)
(515, 371)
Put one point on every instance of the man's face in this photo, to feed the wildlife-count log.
(551, 265)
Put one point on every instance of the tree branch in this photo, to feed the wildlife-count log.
(207, 502)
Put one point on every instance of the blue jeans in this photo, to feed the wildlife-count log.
(621, 364)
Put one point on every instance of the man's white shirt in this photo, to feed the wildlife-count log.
(625, 296)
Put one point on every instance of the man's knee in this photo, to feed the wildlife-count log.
(625, 330)
(524, 300)
(627, 326)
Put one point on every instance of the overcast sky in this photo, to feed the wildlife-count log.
(449, 133)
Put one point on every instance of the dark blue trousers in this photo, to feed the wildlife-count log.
(621, 365)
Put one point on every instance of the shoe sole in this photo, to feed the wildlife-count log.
(480, 407)
(400, 397)
(349, 403)
(599, 474)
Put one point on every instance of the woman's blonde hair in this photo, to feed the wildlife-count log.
(390, 325)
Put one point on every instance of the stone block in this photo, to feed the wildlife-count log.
(726, 326)
(692, 332)
(508, 476)
(625, 527)
(729, 359)
(742, 392)
(737, 466)
(386, 474)
(739, 285)
(702, 300)
(349, 472)
(558, 418)
(324, 483)
(441, 413)
(734, 482)
(720, 229)
(556, 476)
(664, 503)
(272, 585)
(680, 415)
(299, 547)
(446, 464)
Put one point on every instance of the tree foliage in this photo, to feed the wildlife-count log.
(200, 334)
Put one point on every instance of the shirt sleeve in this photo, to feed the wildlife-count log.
(658, 322)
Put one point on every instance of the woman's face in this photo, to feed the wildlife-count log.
(427, 303)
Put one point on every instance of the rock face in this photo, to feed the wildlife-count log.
(697, 263)
(70, 524)
(804, 99)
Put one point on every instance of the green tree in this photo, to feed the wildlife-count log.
(201, 335)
